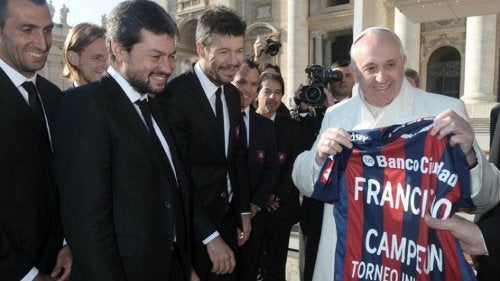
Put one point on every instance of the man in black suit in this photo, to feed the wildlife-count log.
(283, 204)
(263, 170)
(203, 110)
(30, 226)
(126, 201)
(489, 265)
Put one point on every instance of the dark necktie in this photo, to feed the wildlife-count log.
(244, 129)
(147, 114)
(34, 101)
(219, 112)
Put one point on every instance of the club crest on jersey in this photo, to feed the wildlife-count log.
(281, 157)
(368, 160)
(237, 131)
(261, 155)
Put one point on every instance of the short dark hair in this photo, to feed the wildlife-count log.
(3, 9)
(219, 20)
(340, 63)
(79, 37)
(252, 64)
(128, 19)
(273, 66)
(271, 76)
(412, 73)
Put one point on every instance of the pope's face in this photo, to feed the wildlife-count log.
(380, 68)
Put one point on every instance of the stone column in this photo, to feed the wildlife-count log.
(296, 48)
(368, 13)
(318, 47)
(327, 60)
(479, 75)
(409, 33)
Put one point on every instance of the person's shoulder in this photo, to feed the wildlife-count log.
(432, 100)
(345, 105)
(495, 109)
(260, 119)
(48, 86)
(184, 79)
(286, 121)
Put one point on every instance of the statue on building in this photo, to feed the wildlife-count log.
(104, 21)
(63, 14)
(52, 10)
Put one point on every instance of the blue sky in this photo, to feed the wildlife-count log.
(84, 10)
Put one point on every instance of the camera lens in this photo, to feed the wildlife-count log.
(314, 95)
(273, 47)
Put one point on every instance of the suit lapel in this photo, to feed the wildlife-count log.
(127, 112)
(252, 130)
(12, 100)
(204, 105)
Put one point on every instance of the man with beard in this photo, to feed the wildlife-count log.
(30, 225)
(125, 196)
(203, 109)
(283, 205)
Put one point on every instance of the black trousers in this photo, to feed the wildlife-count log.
(201, 260)
(276, 238)
(250, 254)
(177, 272)
(311, 220)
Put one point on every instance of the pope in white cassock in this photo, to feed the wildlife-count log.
(383, 97)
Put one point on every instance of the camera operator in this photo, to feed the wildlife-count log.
(264, 44)
(310, 118)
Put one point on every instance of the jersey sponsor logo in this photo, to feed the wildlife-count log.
(424, 165)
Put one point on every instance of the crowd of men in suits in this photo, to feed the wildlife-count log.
(149, 181)
(128, 177)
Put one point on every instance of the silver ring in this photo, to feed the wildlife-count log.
(329, 141)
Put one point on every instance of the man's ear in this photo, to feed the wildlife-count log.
(117, 50)
(200, 49)
(73, 58)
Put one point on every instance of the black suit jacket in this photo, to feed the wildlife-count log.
(489, 266)
(30, 228)
(262, 159)
(118, 203)
(193, 123)
(289, 146)
(494, 136)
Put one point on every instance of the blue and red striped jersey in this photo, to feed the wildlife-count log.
(382, 188)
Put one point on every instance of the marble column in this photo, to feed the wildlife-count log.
(480, 71)
(296, 49)
(327, 60)
(368, 13)
(318, 47)
(409, 33)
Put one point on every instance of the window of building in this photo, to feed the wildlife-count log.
(331, 3)
(443, 72)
